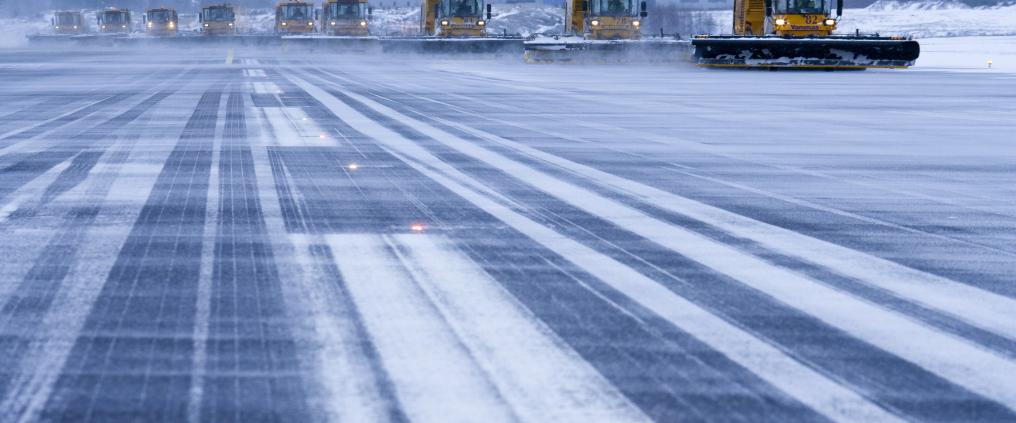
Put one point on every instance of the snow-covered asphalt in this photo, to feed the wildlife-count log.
(239, 236)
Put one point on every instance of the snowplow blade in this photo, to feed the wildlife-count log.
(438, 45)
(580, 50)
(332, 43)
(829, 52)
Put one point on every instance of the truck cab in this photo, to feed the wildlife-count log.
(455, 18)
(114, 21)
(217, 19)
(608, 19)
(161, 22)
(68, 23)
(294, 17)
(802, 18)
(345, 17)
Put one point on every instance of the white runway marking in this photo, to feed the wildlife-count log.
(436, 378)
(293, 128)
(982, 371)
(785, 373)
(342, 386)
(265, 88)
(987, 310)
(539, 375)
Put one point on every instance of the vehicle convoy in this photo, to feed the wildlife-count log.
(346, 18)
(603, 30)
(218, 19)
(294, 17)
(114, 21)
(67, 23)
(161, 22)
(799, 33)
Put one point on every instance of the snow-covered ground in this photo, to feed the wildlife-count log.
(245, 235)
(969, 54)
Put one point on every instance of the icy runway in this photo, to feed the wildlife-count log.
(237, 236)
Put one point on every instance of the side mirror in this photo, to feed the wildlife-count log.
(769, 8)
(370, 11)
(201, 17)
(643, 13)
(316, 16)
(839, 8)
(144, 19)
(488, 12)
(585, 4)
(52, 21)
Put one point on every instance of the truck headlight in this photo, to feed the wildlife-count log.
(75, 27)
(363, 23)
(830, 22)
(781, 22)
(58, 27)
(230, 24)
(481, 23)
(149, 24)
(311, 23)
(283, 24)
(206, 25)
(171, 25)
(444, 23)
(636, 23)
(594, 23)
(123, 26)
(333, 23)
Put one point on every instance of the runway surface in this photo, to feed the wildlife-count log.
(238, 236)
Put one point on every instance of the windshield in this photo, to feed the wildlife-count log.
(612, 7)
(67, 19)
(346, 10)
(802, 7)
(160, 16)
(114, 18)
(462, 8)
(218, 14)
(296, 11)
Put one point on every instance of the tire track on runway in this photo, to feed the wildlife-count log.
(953, 323)
(252, 371)
(150, 290)
(945, 310)
(983, 266)
(30, 354)
(544, 181)
(584, 333)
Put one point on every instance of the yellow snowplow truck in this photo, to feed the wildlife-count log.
(454, 18)
(218, 19)
(114, 21)
(346, 18)
(607, 19)
(799, 34)
(68, 23)
(294, 17)
(161, 22)
(603, 31)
